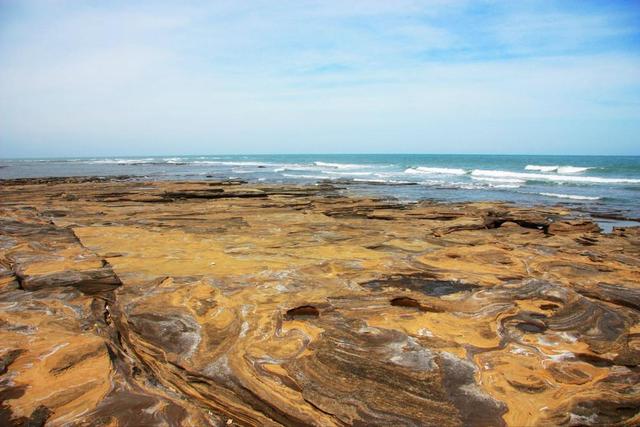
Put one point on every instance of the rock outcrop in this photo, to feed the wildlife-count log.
(222, 303)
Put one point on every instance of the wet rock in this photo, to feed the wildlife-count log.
(173, 333)
(423, 283)
(406, 302)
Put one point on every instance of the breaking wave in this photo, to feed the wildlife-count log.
(556, 168)
(421, 170)
(553, 178)
(570, 196)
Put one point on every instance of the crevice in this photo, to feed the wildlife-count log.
(302, 312)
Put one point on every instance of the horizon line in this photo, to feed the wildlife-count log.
(314, 154)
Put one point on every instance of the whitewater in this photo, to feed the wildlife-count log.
(605, 184)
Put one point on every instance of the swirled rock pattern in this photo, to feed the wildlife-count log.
(221, 303)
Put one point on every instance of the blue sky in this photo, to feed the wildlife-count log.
(205, 77)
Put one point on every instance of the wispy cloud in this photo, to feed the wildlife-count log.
(122, 77)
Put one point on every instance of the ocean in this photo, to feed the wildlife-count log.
(602, 186)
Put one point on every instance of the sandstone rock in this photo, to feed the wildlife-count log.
(204, 303)
(573, 226)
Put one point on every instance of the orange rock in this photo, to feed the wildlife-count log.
(212, 303)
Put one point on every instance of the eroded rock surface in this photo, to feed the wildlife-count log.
(222, 303)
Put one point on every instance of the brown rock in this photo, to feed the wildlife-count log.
(205, 303)
(573, 226)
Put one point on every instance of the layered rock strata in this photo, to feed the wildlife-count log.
(223, 303)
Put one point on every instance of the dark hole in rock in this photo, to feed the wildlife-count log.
(421, 283)
(549, 306)
(594, 360)
(535, 328)
(496, 222)
(303, 312)
(405, 302)
(135, 372)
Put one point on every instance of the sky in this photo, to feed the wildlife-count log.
(96, 78)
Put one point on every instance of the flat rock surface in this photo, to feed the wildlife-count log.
(222, 303)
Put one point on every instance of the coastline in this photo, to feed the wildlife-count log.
(601, 185)
(606, 218)
(269, 304)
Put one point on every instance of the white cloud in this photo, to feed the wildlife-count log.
(133, 76)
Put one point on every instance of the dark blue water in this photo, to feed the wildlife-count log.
(598, 184)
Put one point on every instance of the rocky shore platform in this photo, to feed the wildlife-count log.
(135, 303)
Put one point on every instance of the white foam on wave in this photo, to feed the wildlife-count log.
(572, 169)
(398, 175)
(122, 161)
(422, 170)
(570, 196)
(382, 181)
(297, 167)
(501, 180)
(541, 168)
(234, 163)
(558, 169)
(505, 185)
(475, 185)
(328, 167)
(452, 185)
(289, 175)
(129, 161)
(348, 173)
(433, 182)
(236, 170)
(554, 178)
(339, 165)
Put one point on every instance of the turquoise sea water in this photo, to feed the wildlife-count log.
(596, 184)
